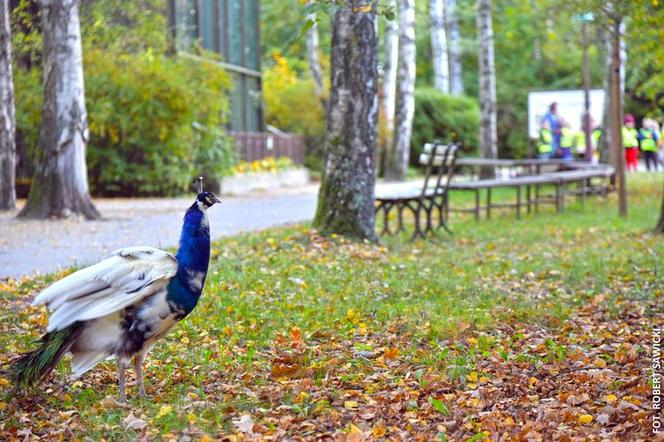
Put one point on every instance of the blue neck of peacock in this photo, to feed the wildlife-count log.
(194, 251)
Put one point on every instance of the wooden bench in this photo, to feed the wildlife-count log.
(432, 196)
(560, 180)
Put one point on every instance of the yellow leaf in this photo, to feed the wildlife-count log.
(472, 342)
(532, 381)
(611, 398)
(472, 377)
(206, 438)
(184, 340)
(585, 419)
(164, 410)
(351, 405)
(191, 418)
(599, 363)
(509, 421)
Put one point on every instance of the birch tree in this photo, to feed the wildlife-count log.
(454, 47)
(405, 100)
(441, 70)
(346, 195)
(60, 185)
(7, 114)
(314, 61)
(390, 69)
(487, 76)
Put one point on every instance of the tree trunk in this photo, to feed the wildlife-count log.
(314, 62)
(389, 87)
(405, 100)
(616, 120)
(487, 74)
(346, 195)
(659, 228)
(607, 152)
(7, 115)
(441, 69)
(454, 44)
(60, 186)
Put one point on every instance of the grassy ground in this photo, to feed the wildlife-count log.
(527, 329)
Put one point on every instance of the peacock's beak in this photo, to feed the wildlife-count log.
(215, 199)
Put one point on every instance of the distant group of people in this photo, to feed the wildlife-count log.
(558, 140)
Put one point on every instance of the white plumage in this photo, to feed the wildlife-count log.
(128, 276)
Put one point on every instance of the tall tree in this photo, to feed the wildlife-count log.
(487, 75)
(7, 114)
(397, 165)
(389, 86)
(314, 61)
(346, 195)
(390, 68)
(454, 47)
(441, 69)
(60, 185)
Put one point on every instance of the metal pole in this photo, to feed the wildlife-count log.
(586, 93)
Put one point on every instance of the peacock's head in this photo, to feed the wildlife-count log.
(206, 199)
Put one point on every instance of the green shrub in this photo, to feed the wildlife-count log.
(445, 118)
(291, 104)
(155, 121)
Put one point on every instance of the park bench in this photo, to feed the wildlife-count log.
(582, 174)
(425, 201)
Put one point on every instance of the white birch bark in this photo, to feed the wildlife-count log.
(487, 74)
(7, 114)
(441, 68)
(60, 186)
(454, 48)
(314, 61)
(397, 166)
(346, 195)
(390, 68)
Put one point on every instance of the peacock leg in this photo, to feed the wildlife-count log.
(138, 364)
(121, 380)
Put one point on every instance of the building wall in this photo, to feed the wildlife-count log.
(231, 29)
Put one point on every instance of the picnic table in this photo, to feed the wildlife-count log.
(533, 175)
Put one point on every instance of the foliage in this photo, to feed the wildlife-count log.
(542, 321)
(266, 165)
(446, 118)
(291, 104)
(155, 121)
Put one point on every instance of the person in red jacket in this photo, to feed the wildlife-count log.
(630, 138)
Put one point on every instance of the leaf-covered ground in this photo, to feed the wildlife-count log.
(538, 329)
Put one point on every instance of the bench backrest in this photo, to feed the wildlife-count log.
(441, 158)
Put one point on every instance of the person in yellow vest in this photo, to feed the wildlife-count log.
(567, 141)
(545, 142)
(596, 137)
(630, 138)
(649, 138)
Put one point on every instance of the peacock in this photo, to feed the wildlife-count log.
(122, 305)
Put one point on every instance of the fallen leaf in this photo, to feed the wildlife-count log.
(585, 419)
(245, 424)
(131, 422)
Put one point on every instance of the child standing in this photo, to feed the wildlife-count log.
(630, 140)
(649, 139)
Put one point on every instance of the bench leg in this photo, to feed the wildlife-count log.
(528, 203)
(537, 197)
(488, 203)
(477, 205)
(518, 202)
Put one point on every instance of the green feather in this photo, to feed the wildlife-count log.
(31, 368)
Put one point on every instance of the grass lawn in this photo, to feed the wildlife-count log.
(511, 329)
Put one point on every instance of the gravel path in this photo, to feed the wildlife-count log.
(29, 247)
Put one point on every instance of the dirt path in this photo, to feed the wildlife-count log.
(29, 247)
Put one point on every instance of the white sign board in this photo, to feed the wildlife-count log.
(570, 107)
